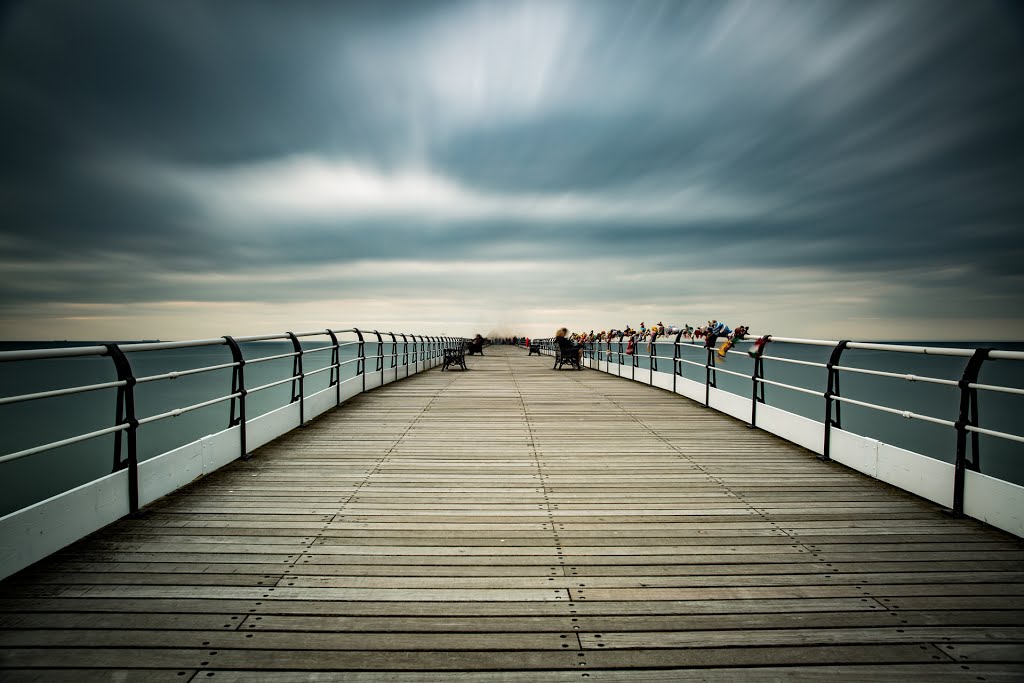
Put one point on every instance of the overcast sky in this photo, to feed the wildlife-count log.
(830, 169)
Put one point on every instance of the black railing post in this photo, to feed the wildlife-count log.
(361, 354)
(636, 357)
(831, 391)
(125, 414)
(621, 360)
(677, 367)
(394, 353)
(380, 356)
(653, 360)
(297, 378)
(968, 417)
(405, 354)
(415, 351)
(757, 388)
(710, 377)
(335, 373)
(238, 387)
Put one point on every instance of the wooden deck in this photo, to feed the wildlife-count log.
(515, 523)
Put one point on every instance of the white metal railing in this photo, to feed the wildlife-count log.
(414, 349)
(614, 353)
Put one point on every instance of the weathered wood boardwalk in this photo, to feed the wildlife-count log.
(515, 523)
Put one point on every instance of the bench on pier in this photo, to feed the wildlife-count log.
(455, 355)
(534, 348)
(475, 347)
(569, 355)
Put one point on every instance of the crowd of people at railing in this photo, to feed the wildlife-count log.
(710, 334)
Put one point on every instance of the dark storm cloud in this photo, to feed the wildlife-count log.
(149, 145)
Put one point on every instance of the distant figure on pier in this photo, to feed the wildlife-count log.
(566, 345)
(476, 345)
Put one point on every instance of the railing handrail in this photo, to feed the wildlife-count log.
(126, 420)
(609, 351)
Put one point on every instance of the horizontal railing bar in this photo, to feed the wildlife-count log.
(896, 348)
(277, 357)
(184, 373)
(994, 387)
(902, 413)
(180, 411)
(318, 349)
(272, 384)
(692, 362)
(310, 373)
(329, 347)
(42, 354)
(806, 342)
(896, 375)
(794, 361)
(996, 354)
(719, 368)
(63, 442)
(802, 390)
(6, 400)
(261, 337)
(899, 348)
(164, 346)
(351, 360)
(992, 432)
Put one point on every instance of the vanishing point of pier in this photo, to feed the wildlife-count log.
(514, 523)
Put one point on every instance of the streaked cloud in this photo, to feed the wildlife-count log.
(835, 165)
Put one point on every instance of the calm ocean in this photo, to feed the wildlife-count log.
(40, 476)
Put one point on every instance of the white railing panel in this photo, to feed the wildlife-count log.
(730, 404)
(856, 452)
(320, 402)
(351, 387)
(267, 427)
(791, 427)
(919, 474)
(663, 380)
(923, 476)
(170, 471)
(32, 533)
(994, 501)
(690, 389)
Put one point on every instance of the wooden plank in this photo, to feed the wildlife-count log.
(369, 660)
(852, 673)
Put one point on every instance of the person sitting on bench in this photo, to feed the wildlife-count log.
(476, 345)
(566, 346)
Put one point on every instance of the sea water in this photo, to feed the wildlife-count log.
(37, 477)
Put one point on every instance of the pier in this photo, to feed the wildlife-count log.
(518, 524)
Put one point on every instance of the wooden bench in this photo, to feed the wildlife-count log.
(534, 348)
(571, 357)
(455, 355)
